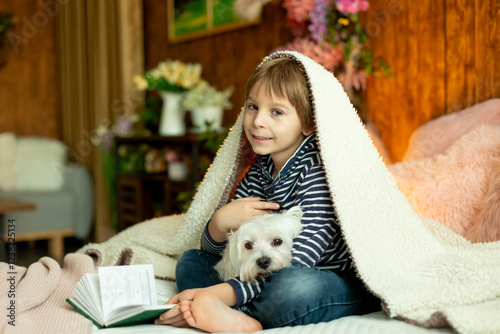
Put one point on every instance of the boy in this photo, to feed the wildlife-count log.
(321, 286)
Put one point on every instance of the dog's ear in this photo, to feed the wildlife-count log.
(234, 252)
(229, 266)
(294, 212)
(293, 219)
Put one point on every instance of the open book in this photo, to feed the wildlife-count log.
(118, 296)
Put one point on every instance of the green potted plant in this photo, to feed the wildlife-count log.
(207, 105)
(171, 79)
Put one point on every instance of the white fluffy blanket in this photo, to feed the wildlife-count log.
(423, 272)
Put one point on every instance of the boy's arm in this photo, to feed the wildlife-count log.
(245, 291)
(319, 229)
(242, 207)
(319, 222)
(232, 215)
(208, 244)
(225, 293)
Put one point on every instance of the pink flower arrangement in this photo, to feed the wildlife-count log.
(298, 10)
(319, 22)
(123, 127)
(326, 54)
(172, 156)
(329, 32)
(352, 6)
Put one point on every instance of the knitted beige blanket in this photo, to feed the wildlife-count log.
(423, 272)
(33, 299)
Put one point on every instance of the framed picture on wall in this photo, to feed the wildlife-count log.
(189, 19)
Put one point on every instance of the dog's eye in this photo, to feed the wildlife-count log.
(248, 245)
(277, 242)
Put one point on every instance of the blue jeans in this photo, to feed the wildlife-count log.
(290, 296)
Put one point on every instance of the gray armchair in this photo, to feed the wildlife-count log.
(67, 212)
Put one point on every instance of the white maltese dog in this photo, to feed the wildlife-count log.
(260, 246)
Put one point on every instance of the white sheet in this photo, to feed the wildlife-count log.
(374, 323)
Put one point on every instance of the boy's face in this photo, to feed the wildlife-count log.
(272, 125)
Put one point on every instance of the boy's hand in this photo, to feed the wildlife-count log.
(235, 213)
(174, 316)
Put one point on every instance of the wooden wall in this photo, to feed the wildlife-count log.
(444, 53)
(228, 58)
(446, 56)
(29, 95)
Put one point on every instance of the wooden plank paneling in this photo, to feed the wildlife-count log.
(404, 61)
(460, 54)
(487, 46)
(380, 26)
(494, 33)
(445, 56)
(29, 101)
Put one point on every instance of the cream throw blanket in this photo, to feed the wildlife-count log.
(423, 272)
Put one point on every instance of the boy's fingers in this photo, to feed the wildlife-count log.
(185, 305)
(267, 206)
(258, 204)
(254, 199)
(173, 300)
(178, 319)
(173, 312)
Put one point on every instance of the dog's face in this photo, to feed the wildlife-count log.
(260, 246)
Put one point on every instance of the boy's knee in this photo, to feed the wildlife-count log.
(195, 270)
(293, 284)
(189, 255)
(186, 262)
(300, 295)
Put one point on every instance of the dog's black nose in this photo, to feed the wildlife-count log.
(263, 262)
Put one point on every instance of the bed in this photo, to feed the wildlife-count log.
(372, 323)
(41, 290)
(422, 271)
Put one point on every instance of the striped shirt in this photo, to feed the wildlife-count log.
(301, 181)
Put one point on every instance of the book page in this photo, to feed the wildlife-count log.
(88, 296)
(126, 285)
(94, 287)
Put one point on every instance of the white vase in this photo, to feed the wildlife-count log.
(172, 115)
(201, 115)
(177, 171)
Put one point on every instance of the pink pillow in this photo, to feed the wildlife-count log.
(452, 187)
(379, 144)
(439, 134)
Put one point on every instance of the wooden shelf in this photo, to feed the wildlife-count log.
(190, 138)
(142, 196)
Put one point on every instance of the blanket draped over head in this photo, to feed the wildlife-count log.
(422, 271)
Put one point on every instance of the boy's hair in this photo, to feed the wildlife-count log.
(283, 77)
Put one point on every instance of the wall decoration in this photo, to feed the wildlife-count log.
(6, 23)
(189, 19)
